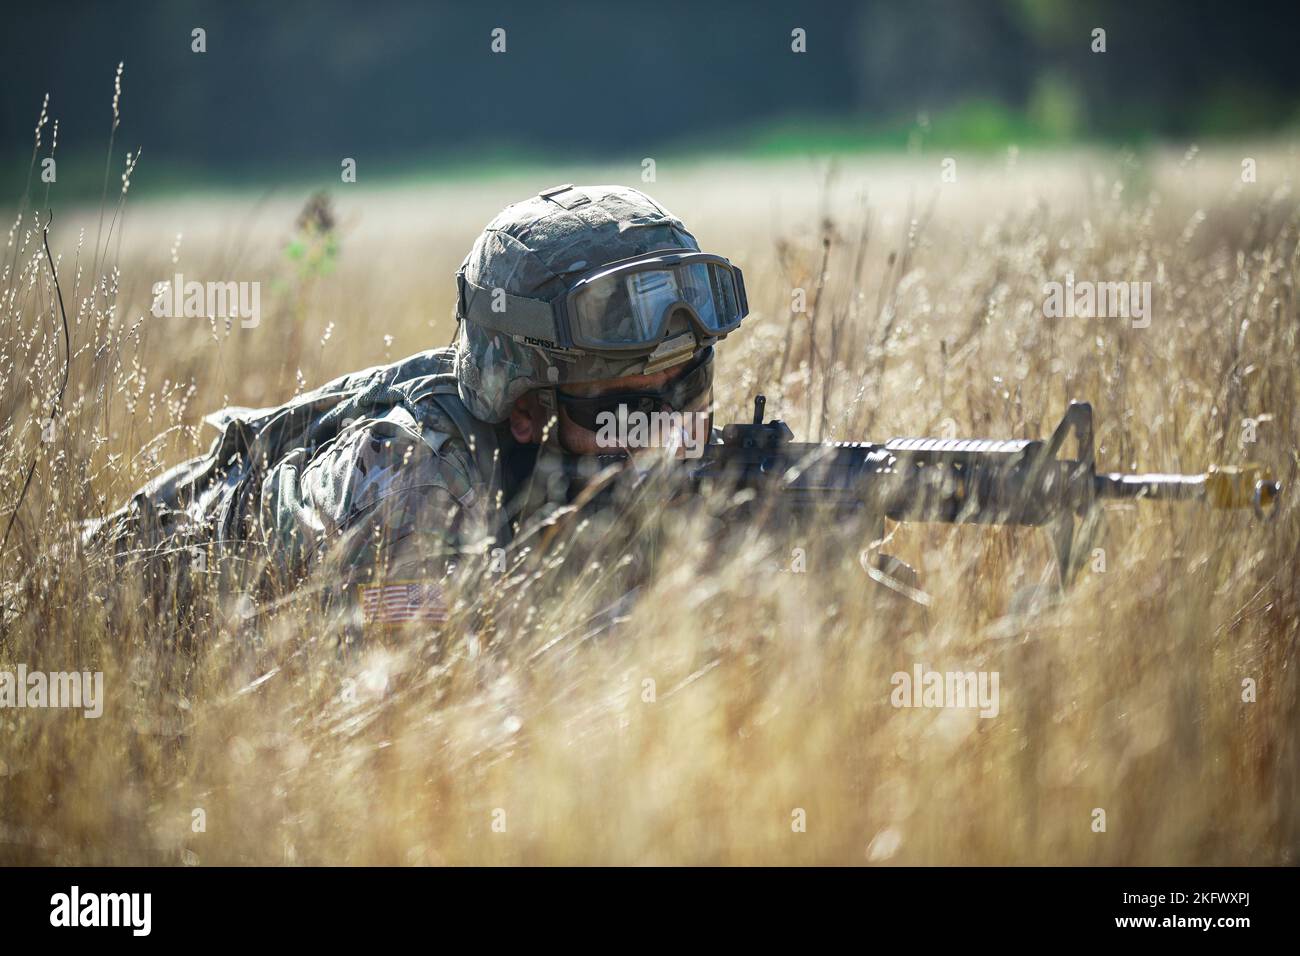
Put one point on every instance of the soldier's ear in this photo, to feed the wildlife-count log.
(527, 419)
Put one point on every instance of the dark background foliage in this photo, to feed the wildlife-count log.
(285, 89)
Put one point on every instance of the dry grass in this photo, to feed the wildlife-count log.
(771, 689)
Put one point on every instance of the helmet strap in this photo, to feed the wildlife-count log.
(546, 398)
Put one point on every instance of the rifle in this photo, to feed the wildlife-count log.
(952, 480)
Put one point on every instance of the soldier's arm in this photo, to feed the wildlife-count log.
(378, 504)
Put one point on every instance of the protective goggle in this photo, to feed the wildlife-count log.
(681, 394)
(620, 308)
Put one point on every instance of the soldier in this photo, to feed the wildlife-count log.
(572, 306)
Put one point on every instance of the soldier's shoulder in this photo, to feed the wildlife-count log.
(417, 446)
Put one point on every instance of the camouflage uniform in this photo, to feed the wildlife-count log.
(371, 472)
(392, 472)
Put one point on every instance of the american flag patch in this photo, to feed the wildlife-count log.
(400, 602)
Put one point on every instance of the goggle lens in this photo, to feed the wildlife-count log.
(632, 308)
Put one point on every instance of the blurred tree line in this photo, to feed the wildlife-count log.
(289, 88)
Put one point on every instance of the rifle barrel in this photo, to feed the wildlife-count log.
(1242, 486)
(1161, 487)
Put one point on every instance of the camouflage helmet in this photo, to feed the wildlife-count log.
(530, 254)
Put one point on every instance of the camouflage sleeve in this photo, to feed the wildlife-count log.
(389, 499)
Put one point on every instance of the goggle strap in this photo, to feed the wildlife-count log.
(530, 319)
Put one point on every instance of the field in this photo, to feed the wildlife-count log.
(741, 713)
